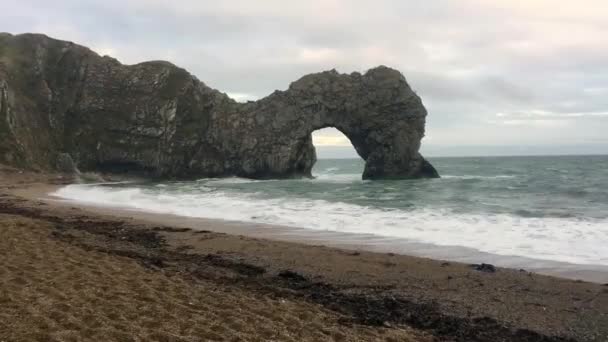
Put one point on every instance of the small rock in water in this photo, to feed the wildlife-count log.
(488, 268)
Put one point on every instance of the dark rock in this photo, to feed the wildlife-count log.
(292, 276)
(235, 265)
(171, 229)
(65, 164)
(488, 268)
(156, 119)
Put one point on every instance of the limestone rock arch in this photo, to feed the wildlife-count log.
(59, 99)
(380, 114)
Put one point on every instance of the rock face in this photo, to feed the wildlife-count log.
(59, 98)
(65, 164)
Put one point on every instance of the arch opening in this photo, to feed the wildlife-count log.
(335, 153)
(331, 143)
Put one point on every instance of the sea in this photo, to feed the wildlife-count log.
(539, 207)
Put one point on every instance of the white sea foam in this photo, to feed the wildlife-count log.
(233, 180)
(337, 178)
(478, 177)
(581, 241)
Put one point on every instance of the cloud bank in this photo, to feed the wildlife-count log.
(499, 73)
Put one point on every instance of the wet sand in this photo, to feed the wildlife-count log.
(357, 242)
(135, 277)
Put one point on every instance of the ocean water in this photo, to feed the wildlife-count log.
(548, 208)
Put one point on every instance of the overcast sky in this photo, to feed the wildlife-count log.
(497, 77)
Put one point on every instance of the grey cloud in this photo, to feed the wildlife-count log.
(468, 59)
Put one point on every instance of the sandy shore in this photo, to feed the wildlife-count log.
(69, 273)
(355, 242)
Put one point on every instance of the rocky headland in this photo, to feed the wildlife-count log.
(63, 106)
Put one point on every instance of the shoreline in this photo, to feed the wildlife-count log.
(350, 241)
(378, 290)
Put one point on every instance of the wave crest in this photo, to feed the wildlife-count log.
(564, 239)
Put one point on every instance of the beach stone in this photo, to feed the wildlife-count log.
(156, 119)
(488, 268)
(292, 276)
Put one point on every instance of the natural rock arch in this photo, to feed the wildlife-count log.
(59, 98)
(377, 111)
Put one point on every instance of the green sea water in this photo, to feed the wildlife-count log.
(550, 208)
